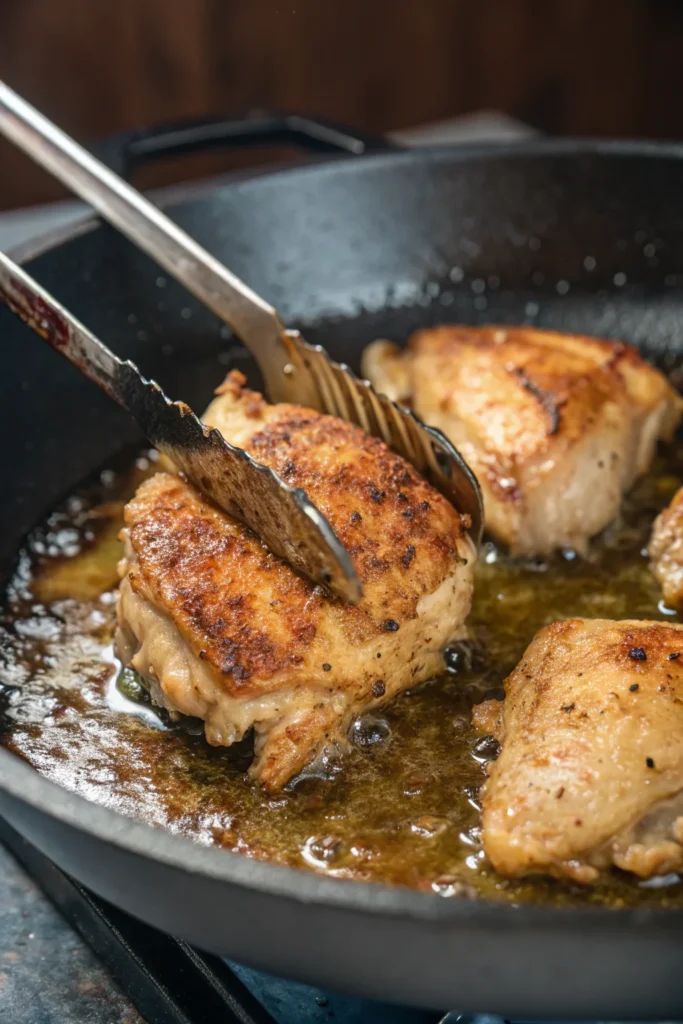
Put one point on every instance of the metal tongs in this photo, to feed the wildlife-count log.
(293, 370)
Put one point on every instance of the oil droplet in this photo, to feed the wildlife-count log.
(449, 885)
(321, 851)
(429, 825)
(486, 749)
(369, 730)
(664, 608)
(415, 783)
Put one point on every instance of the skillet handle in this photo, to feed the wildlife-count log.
(126, 151)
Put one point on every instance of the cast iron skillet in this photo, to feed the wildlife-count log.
(583, 236)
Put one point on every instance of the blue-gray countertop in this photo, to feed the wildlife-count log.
(47, 973)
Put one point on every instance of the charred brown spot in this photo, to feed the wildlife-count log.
(546, 399)
(408, 556)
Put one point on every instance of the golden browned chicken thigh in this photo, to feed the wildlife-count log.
(591, 768)
(556, 427)
(223, 630)
(666, 551)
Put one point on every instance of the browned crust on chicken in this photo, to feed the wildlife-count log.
(201, 567)
(666, 551)
(401, 533)
(227, 632)
(522, 404)
(592, 753)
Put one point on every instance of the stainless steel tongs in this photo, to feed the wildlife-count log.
(285, 519)
(293, 370)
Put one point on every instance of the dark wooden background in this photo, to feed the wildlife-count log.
(588, 67)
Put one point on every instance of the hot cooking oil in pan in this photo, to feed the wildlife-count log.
(401, 806)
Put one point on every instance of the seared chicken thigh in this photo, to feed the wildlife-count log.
(223, 630)
(591, 768)
(556, 427)
(666, 551)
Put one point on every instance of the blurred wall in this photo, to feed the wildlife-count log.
(588, 67)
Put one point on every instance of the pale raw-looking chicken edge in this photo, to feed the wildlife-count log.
(666, 551)
(223, 630)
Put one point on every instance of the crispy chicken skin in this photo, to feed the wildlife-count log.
(556, 427)
(666, 551)
(591, 768)
(225, 631)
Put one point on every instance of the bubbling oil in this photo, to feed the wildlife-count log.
(400, 806)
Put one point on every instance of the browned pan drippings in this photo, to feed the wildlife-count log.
(400, 806)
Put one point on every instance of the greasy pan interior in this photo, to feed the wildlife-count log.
(585, 237)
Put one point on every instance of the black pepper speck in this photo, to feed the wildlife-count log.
(327, 667)
(637, 654)
(649, 762)
(390, 625)
(633, 687)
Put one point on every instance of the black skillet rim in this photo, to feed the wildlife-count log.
(21, 781)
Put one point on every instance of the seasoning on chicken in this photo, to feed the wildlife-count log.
(225, 631)
(591, 768)
(666, 551)
(556, 427)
